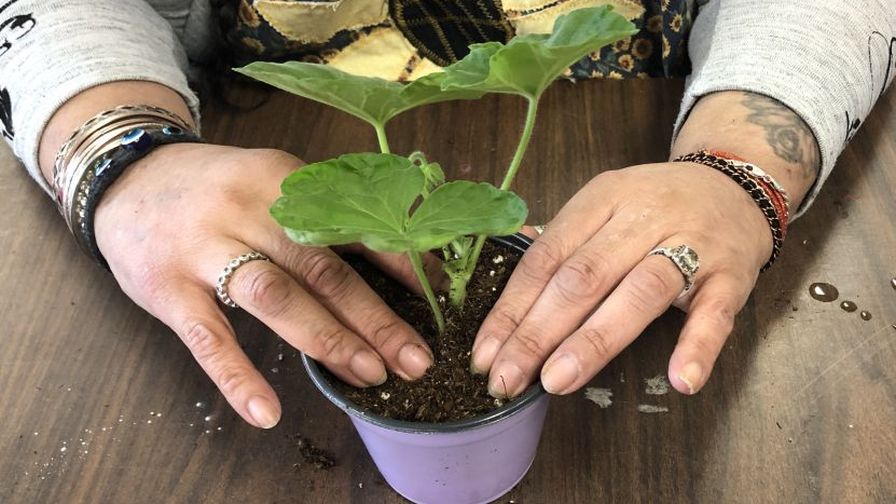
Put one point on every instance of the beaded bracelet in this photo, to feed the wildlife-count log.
(777, 193)
(102, 172)
(771, 199)
(95, 133)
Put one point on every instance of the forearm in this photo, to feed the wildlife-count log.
(59, 51)
(88, 103)
(827, 61)
(759, 129)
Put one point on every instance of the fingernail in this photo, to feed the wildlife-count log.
(368, 367)
(506, 380)
(414, 360)
(560, 373)
(484, 355)
(691, 374)
(263, 411)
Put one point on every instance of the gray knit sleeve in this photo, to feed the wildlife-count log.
(827, 60)
(50, 51)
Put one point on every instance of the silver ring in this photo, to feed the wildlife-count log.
(539, 229)
(684, 258)
(229, 270)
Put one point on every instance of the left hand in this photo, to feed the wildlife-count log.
(586, 289)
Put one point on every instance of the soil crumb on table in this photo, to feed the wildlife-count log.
(311, 454)
(449, 391)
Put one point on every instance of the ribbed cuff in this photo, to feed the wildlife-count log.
(814, 59)
(79, 45)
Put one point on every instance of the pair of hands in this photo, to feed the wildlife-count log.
(582, 292)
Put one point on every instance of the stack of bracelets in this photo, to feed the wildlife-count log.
(98, 152)
(766, 192)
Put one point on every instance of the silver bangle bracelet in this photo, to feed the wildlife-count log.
(96, 125)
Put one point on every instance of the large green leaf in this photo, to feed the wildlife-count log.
(371, 99)
(462, 208)
(528, 64)
(355, 198)
(367, 198)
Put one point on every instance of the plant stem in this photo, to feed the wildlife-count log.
(417, 262)
(459, 288)
(381, 138)
(524, 143)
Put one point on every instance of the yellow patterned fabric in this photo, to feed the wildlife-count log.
(405, 39)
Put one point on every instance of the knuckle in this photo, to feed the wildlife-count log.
(721, 315)
(274, 157)
(541, 258)
(599, 342)
(606, 177)
(387, 334)
(326, 274)
(581, 277)
(230, 379)
(649, 287)
(268, 290)
(202, 341)
(505, 319)
(529, 343)
(151, 280)
(327, 343)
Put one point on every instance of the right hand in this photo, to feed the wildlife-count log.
(172, 222)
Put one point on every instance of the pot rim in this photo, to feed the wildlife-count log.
(517, 241)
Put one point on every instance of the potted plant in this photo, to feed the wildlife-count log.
(392, 203)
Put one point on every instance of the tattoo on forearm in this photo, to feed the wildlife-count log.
(786, 133)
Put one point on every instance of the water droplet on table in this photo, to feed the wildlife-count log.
(823, 292)
(848, 306)
(865, 315)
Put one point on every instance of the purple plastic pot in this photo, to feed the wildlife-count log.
(468, 462)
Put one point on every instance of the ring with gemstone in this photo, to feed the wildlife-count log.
(684, 258)
(229, 270)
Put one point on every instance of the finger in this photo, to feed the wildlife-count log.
(709, 322)
(345, 294)
(561, 238)
(533, 232)
(193, 314)
(578, 285)
(273, 296)
(399, 267)
(643, 295)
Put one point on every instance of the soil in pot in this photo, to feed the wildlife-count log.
(449, 391)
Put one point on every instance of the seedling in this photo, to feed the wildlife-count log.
(392, 203)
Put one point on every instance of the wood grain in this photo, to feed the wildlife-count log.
(99, 400)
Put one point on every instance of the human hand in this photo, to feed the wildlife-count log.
(586, 288)
(172, 222)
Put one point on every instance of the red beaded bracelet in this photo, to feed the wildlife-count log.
(771, 198)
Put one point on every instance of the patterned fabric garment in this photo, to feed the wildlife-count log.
(406, 39)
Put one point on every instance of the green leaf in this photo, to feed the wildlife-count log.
(355, 198)
(463, 208)
(370, 99)
(528, 64)
(366, 198)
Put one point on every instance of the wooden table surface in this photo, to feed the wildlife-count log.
(101, 403)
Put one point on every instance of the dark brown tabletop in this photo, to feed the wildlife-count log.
(102, 403)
